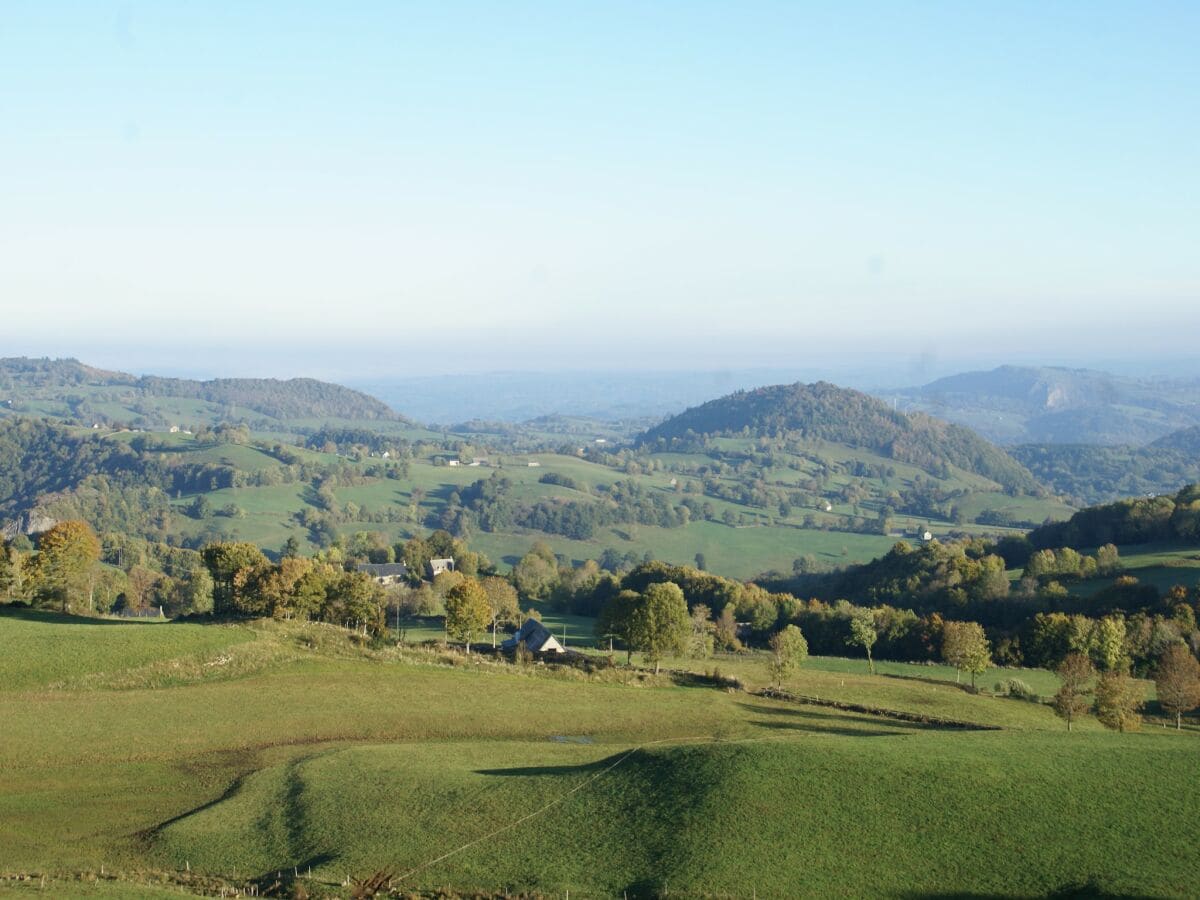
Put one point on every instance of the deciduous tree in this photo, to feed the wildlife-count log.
(1073, 697)
(1177, 682)
(789, 650)
(1118, 699)
(225, 560)
(864, 634)
(616, 618)
(1110, 644)
(65, 568)
(659, 625)
(467, 611)
(966, 647)
(502, 601)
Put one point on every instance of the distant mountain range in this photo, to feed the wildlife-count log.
(1049, 405)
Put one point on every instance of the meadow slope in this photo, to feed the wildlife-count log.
(249, 749)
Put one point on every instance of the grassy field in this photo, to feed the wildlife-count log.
(275, 746)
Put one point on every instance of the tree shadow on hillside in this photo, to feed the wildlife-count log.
(535, 771)
(49, 617)
(1089, 888)
(862, 718)
(817, 728)
(926, 679)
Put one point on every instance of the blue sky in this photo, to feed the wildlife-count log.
(396, 187)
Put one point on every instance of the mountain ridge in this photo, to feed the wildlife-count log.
(79, 390)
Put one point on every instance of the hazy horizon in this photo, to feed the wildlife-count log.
(402, 190)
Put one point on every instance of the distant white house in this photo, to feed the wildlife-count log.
(174, 429)
(828, 506)
(927, 536)
(438, 566)
(533, 464)
(454, 462)
(536, 637)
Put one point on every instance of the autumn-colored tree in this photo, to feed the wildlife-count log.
(1073, 697)
(1118, 699)
(66, 564)
(966, 647)
(277, 586)
(864, 634)
(502, 601)
(1177, 682)
(789, 650)
(140, 584)
(725, 630)
(659, 626)
(467, 611)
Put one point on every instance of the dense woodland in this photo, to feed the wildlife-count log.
(1089, 473)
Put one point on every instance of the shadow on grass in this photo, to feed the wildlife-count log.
(925, 679)
(819, 728)
(1089, 888)
(862, 718)
(535, 771)
(49, 617)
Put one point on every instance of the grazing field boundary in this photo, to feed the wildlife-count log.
(899, 715)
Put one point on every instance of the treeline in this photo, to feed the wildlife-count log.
(1139, 521)
(358, 442)
(737, 613)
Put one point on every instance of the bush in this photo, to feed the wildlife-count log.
(1015, 687)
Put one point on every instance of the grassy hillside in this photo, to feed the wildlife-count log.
(314, 753)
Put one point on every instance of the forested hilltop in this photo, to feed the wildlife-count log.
(825, 412)
(67, 389)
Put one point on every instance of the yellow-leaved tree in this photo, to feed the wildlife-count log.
(64, 571)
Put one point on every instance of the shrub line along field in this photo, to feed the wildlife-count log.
(232, 752)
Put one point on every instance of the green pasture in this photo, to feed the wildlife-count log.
(341, 761)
